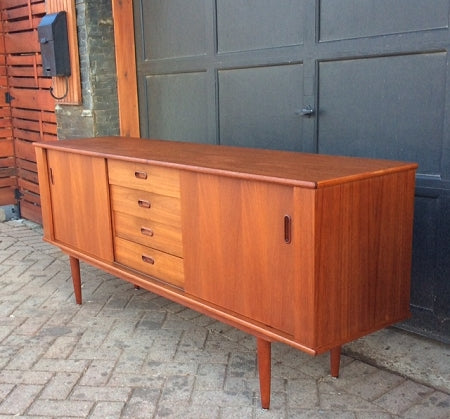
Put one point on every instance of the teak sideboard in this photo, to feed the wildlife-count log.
(310, 250)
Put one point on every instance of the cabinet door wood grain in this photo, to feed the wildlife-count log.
(239, 252)
(80, 203)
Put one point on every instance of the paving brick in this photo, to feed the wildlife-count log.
(25, 358)
(130, 362)
(24, 377)
(98, 372)
(403, 397)
(60, 386)
(375, 385)
(211, 398)
(61, 408)
(19, 399)
(435, 405)
(211, 376)
(201, 356)
(62, 347)
(104, 410)
(61, 365)
(319, 414)
(177, 389)
(156, 368)
(142, 403)
(5, 331)
(137, 380)
(374, 415)
(242, 364)
(344, 402)
(302, 393)
(165, 344)
(5, 389)
(97, 393)
(185, 410)
(89, 343)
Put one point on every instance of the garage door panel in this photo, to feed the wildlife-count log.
(259, 107)
(174, 29)
(346, 19)
(425, 247)
(374, 72)
(177, 106)
(384, 107)
(254, 28)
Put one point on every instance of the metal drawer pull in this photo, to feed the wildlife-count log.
(148, 259)
(146, 231)
(144, 204)
(287, 229)
(140, 175)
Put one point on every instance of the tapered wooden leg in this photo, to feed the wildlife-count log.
(335, 361)
(264, 369)
(76, 278)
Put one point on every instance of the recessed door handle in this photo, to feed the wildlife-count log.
(287, 229)
(147, 231)
(140, 175)
(144, 203)
(148, 259)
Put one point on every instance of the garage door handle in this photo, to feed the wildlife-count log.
(308, 110)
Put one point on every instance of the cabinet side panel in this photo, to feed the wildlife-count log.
(364, 235)
(394, 274)
(80, 203)
(44, 191)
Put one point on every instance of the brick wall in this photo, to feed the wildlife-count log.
(98, 114)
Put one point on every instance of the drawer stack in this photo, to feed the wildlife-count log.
(145, 203)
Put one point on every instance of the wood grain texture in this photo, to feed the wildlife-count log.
(147, 205)
(151, 262)
(144, 177)
(313, 251)
(126, 67)
(234, 247)
(44, 191)
(362, 257)
(281, 167)
(264, 350)
(76, 278)
(80, 206)
(149, 232)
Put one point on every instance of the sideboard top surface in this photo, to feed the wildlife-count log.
(292, 168)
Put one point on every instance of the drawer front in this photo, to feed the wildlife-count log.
(167, 268)
(149, 233)
(151, 206)
(160, 180)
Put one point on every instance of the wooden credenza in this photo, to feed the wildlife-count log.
(310, 250)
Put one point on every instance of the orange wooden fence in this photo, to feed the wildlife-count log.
(30, 114)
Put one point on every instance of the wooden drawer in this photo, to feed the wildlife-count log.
(149, 233)
(150, 206)
(161, 180)
(167, 268)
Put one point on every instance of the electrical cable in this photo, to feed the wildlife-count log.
(66, 92)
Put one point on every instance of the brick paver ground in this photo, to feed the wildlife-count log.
(129, 353)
